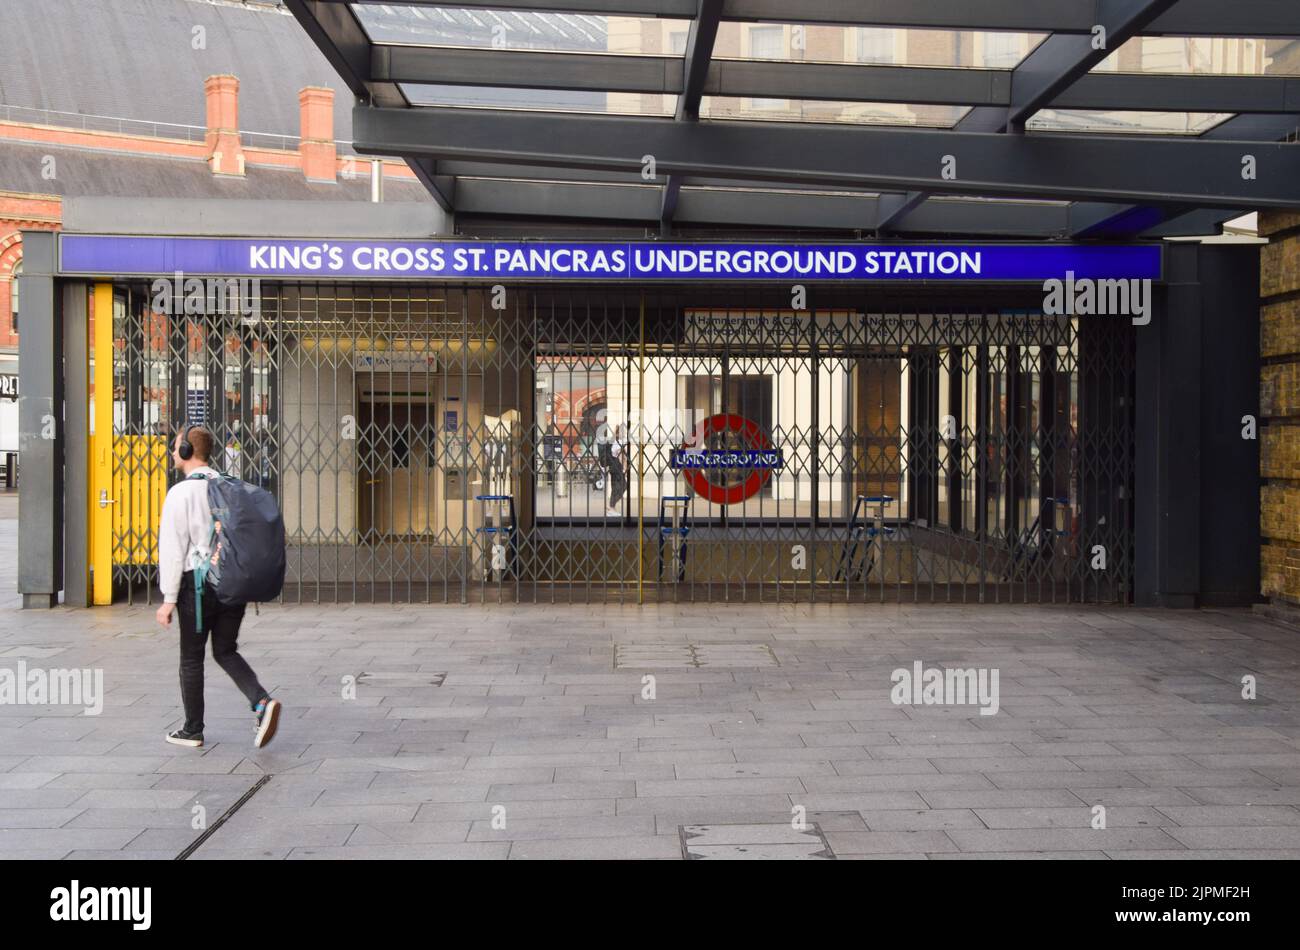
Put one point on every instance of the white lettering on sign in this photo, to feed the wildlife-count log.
(923, 263)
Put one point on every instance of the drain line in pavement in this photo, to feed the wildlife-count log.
(243, 800)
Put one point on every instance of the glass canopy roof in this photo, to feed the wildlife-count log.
(998, 67)
(1205, 55)
(818, 110)
(1146, 123)
(517, 29)
(491, 28)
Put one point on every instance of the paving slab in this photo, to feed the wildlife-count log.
(760, 711)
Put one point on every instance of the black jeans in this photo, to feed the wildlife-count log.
(617, 483)
(223, 623)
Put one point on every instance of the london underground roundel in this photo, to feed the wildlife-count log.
(711, 472)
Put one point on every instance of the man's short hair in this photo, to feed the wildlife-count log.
(202, 440)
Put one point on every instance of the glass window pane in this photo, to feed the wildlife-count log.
(809, 110)
(517, 29)
(765, 42)
(542, 100)
(1091, 120)
(851, 44)
(1002, 50)
(876, 45)
(1209, 55)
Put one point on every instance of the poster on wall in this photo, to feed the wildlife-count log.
(196, 407)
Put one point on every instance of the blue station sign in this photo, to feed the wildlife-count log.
(625, 261)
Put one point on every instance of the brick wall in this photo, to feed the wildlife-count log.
(1279, 407)
(18, 211)
(316, 158)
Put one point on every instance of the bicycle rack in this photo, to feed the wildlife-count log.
(492, 527)
(857, 531)
(674, 533)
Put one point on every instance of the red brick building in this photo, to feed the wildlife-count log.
(235, 102)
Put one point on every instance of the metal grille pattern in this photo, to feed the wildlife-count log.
(463, 444)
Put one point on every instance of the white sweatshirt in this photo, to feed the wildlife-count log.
(185, 532)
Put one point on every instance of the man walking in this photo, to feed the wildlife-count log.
(617, 462)
(184, 542)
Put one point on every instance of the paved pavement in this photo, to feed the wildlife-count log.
(540, 743)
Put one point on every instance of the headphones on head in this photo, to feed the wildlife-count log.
(186, 450)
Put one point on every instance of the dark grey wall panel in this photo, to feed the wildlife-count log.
(40, 427)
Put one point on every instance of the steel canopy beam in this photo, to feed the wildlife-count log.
(674, 9)
(1200, 172)
(642, 204)
(894, 208)
(1199, 222)
(1122, 220)
(544, 69)
(461, 169)
(918, 85)
(1155, 92)
(1113, 219)
(596, 201)
(776, 210)
(1265, 128)
(1253, 18)
(1265, 106)
(441, 187)
(1058, 61)
(695, 70)
(1037, 16)
(699, 53)
(958, 216)
(767, 209)
(535, 69)
(339, 36)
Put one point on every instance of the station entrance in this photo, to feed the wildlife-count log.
(449, 443)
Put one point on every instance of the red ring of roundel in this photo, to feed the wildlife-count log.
(753, 437)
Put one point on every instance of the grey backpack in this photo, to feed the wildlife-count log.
(248, 542)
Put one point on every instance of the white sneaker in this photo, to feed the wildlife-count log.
(268, 717)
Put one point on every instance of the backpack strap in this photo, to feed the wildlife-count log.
(201, 570)
(201, 580)
(198, 600)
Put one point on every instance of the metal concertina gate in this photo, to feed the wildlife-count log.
(453, 443)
